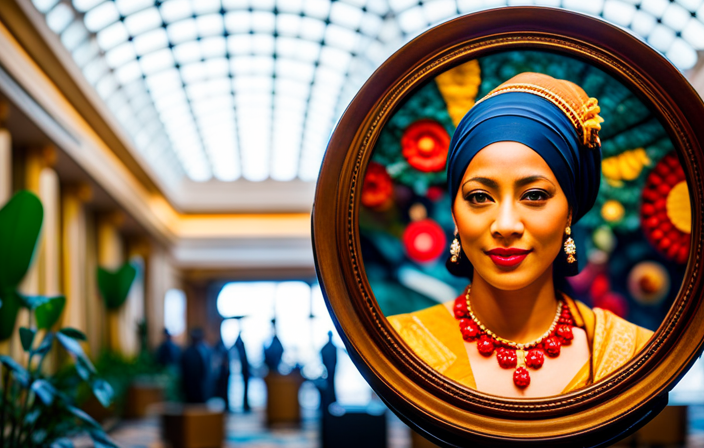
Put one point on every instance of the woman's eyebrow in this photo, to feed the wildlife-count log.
(483, 180)
(518, 183)
(530, 179)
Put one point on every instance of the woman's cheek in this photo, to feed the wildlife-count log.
(548, 236)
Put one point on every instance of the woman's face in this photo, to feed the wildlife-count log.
(511, 215)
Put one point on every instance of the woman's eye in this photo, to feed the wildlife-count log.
(479, 198)
(535, 195)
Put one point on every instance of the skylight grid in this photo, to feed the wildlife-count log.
(252, 88)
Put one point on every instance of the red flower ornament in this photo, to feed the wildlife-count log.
(424, 144)
(666, 216)
(377, 188)
(424, 240)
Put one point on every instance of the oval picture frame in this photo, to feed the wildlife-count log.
(440, 409)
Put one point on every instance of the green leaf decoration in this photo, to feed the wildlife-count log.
(20, 225)
(73, 333)
(45, 391)
(83, 417)
(48, 313)
(101, 440)
(27, 337)
(103, 391)
(114, 286)
(45, 346)
(71, 345)
(8, 314)
(19, 372)
(32, 416)
(32, 302)
(85, 368)
(62, 443)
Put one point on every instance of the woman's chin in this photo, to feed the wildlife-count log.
(504, 285)
(509, 281)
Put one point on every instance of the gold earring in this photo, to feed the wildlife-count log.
(570, 247)
(455, 249)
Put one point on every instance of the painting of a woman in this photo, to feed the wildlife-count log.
(524, 165)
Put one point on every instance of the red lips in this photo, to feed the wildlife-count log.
(507, 257)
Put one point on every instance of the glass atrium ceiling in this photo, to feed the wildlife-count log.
(232, 89)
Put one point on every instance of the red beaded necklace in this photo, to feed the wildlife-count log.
(511, 354)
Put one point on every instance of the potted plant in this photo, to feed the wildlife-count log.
(38, 408)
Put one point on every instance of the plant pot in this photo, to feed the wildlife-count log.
(192, 426)
(141, 397)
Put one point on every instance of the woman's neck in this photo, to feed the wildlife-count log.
(522, 315)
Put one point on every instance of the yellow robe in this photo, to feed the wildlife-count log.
(433, 335)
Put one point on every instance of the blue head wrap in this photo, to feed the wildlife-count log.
(537, 123)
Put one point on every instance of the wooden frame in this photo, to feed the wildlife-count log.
(446, 412)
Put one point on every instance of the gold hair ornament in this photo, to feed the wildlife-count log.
(572, 100)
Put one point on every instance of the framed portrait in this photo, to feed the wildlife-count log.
(386, 243)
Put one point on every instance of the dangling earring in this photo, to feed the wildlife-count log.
(455, 249)
(570, 247)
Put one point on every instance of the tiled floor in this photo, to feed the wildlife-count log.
(248, 431)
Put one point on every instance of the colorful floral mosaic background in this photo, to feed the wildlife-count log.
(632, 247)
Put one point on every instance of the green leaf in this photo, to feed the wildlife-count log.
(114, 286)
(83, 417)
(73, 333)
(84, 368)
(20, 225)
(48, 313)
(8, 314)
(62, 443)
(32, 417)
(39, 436)
(31, 302)
(27, 337)
(103, 392)
(45, 391)
(20, 373)
(70, 344)
(101, 440)
(45, 346)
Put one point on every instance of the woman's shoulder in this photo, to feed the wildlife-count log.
(435, 312)
(614, 341)
(592, 318)
(432, 334)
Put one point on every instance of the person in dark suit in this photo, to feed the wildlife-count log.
(242, 353)
(222, 372)
(168, 353)
(195, 369)
(329, 355)
(274, 352)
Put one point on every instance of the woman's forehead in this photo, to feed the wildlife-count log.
(507, 161)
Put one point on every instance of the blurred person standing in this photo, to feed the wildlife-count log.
(274, 352)
(168, 353)
(221, 368)
(329, 356)
(242, 354)
(196, 369)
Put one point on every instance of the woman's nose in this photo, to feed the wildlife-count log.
(508, 221)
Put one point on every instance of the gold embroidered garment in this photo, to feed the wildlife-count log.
(433, 334)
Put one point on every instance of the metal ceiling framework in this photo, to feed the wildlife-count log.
(250, 89)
